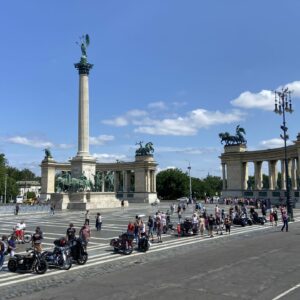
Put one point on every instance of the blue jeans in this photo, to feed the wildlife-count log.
(2, 258)
(286, 225)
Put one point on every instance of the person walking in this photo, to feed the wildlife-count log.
(52, 209)
(122, 205)
(98, 221)
(285, 220)
(87, 217)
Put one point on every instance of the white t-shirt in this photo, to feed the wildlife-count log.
(21, 226)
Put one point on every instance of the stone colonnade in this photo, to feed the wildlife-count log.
(131, 180)
(235, 162)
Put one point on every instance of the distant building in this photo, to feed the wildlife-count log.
(29, 186)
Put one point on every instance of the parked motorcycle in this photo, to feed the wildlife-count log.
(123, 244)
(78, 251)
(31, 262)
(188, 228)
(60, 257)
(144, 244)
(256, 219)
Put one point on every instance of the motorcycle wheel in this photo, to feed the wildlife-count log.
(41, 267)
(128, 250)
(27, 237)
(12, 265)
(83, 259)
(116, 249)
(68, 264)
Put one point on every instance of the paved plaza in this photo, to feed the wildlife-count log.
(254, 262)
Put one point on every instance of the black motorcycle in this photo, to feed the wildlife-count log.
(30, 262)
(188, 228)
(123, 244)
(78, 251)
(144, 244)
(256, 219)
(60, 257)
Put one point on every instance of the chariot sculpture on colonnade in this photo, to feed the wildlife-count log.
(236, 139)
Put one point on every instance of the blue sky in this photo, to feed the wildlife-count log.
(172, 72)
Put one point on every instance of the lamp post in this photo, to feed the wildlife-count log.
(5, 187)
(189, 168)
(283, 104)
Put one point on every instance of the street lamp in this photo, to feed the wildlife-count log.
(283, 104)
(189, 168)
(5, 187)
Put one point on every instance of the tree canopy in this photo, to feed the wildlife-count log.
(174, 183)
(13, 175)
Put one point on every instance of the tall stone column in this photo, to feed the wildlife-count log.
(125, 181)
(258, 175)
(83, 163)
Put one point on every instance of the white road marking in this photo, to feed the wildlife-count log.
(287, 292)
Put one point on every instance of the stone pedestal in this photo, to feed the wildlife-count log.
(83, 165)
(48, 178)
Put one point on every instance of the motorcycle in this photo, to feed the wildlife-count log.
(144, 244)
(31, 262)
(60, 256)
(78, 251)
(123, 244)
(187, 227)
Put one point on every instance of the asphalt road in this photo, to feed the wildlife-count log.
(255, 262)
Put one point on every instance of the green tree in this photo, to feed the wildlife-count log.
(265, 181)
(213, 185)
(172, 184)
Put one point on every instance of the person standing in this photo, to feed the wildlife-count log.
(85, 234)
(159, 228)
(211, 222)
(202, 224)
(3, 248)
(71, 231)
(17, 209)
(87, 217)
(150, 227)
(52, 209)
(285, 220)
(98, 221)
(227, 223)
(122, 205)
(37, 239)
(275, 216)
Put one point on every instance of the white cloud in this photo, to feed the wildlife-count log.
(36, 143)
(157, 105)
(105, 157)
(118, 122)
(101, 139)
(264, 99)
(186, 150)
(65, 146)
(273, 143)
(191, 123)
(136, 113)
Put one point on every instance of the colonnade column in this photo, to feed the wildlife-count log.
(224, 175)
(125, 181)
(283, 185)
(272, 174)
(258, 175)
(103, 182)
(294, 174)
(244, 175)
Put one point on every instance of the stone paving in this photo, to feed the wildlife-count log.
(102, 260)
